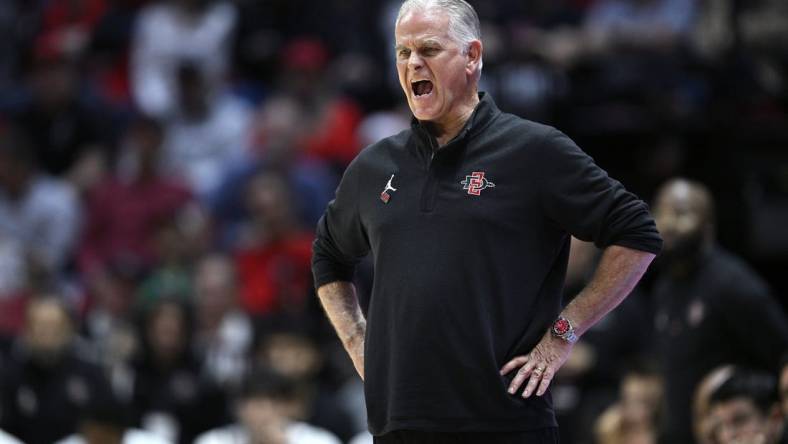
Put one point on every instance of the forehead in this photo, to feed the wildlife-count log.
(419, 25)
(681, 197)
(726, 410)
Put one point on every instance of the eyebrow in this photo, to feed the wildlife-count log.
(425, 42)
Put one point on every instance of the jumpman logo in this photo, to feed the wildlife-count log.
(385, 196)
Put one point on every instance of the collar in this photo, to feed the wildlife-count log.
(485, 112)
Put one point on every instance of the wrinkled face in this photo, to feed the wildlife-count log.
(433, 69)
(679, 216)
(738, 420)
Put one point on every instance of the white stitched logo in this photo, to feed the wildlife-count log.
(385, 196)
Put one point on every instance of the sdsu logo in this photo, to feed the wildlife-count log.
(475, 183)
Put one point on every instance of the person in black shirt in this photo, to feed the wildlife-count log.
(468, 216)
(711, 308)
(46, 383)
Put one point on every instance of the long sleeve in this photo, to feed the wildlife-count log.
(341, 241)
(582, 199)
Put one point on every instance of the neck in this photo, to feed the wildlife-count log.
(446, 130)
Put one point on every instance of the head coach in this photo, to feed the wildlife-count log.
(468, 215)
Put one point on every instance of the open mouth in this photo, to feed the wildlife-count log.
(421, 88)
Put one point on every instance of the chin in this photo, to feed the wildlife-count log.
(424, 115)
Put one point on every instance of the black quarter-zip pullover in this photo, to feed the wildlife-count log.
(470, 245)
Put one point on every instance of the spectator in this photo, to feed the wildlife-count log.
(330, 119)
(70, 23)
(65, 128)
(109, 423)
(277, 128)
(745, 409)
(273, 260)
(39, 218)
(206, 134)
(635, 418)
(262, 410)
(125, 210)
(171, 397)
(708, 300)
(47, 384)
(702, 423)
(224, 332)
(171, 31)
(285, 344)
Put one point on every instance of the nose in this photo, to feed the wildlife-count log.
(414, 61)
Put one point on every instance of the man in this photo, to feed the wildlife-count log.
(745, 409)
(708, 302)
(468, 215)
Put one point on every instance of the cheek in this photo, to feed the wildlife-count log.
(401, 68)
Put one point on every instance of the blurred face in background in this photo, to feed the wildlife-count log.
(215, 290)
(268, 201)
(265, 418)
(435, 71)
(54, 84)
(684, 217)
(641, 396)
(167, 331)
(48, 332)
(143, 140)
(292, 355)
(739, 421)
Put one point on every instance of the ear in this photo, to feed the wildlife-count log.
(474, 56)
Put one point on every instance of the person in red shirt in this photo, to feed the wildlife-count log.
(273, 260)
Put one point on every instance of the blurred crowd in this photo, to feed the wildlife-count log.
(163, 164)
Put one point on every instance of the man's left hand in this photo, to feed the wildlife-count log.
(539, 366)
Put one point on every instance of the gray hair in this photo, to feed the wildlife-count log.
(464, 24)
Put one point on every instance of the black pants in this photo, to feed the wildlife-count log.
(543, 436)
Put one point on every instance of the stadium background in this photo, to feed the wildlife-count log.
(181, 152)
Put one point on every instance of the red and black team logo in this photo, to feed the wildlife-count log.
(476, 182)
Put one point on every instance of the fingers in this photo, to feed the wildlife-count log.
(536, 376)
(539, 376)
(519, 378)
(547, 377)
(513, 364)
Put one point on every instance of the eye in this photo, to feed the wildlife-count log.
(429, 51)
(403, 53)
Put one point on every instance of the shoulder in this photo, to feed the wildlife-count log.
(382, 150)
(535, 137)
(138, 436)
(54, 191)
(229, 434)
(736, 277)
(73, 439)
(303, 433)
